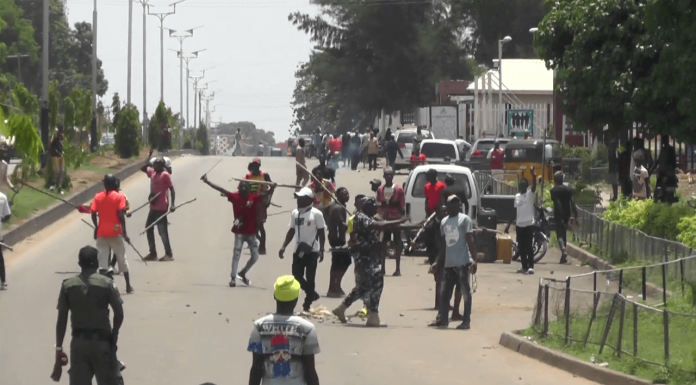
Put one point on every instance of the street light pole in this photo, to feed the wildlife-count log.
(94, 58)
(145, 7)
(130, 48)
(504, 40)
(175, 34)
(187, 59)
(161, 16)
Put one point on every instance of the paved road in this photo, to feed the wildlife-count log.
(184, 325)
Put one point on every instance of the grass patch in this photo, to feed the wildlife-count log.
(101, 170)
(650, 349)
(27, 203)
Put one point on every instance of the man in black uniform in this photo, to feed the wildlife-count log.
(563, 203)
(93, 347)
(337, 223)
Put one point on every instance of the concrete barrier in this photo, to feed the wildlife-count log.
(60, 210)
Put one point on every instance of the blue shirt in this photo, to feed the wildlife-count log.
(455, 230)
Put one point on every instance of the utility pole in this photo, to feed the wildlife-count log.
(200, 97)
(93, 129)
(196, 79)
(130, 49)
(44, 78)
(161, 16)
(187, 59)
(181, 37)
(144, 126)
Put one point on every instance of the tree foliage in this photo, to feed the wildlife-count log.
(53, 104)
(202, 142)
(127, 138)
(16, 34)
(163, 115)
(373, 57)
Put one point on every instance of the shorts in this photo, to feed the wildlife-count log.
(105, 245)
(613, 178)
(58, 163)
(388, 235)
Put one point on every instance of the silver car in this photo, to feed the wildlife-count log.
(405, 140)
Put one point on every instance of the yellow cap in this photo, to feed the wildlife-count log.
(286, 289)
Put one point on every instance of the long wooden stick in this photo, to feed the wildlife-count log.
(211, 169)
(422, 229)
(145, 204)
(324, 187)
(51, 195)
(6, 246)
(165, 214)
(128, 242)
(265, 183)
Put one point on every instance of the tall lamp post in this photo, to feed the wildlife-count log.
(501, 42)
(181, 37)
(145, 9)
(187, 59)
(161, 16)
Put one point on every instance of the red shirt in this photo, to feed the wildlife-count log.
(497, 157)
(245, 212)
(432, 193)
(417, 160)
(422, 159)
(107, 206)
(335, 145)
(476, 153)
(159, 183)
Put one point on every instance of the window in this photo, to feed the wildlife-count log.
(439, 150)
(408, 136)
(460, 180)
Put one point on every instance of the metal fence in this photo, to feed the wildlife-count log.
(630, 315)
(615, 242)
(487, 184)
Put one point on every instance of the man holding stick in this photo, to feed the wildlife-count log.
(160, 183)
(108, 216)
(247, 215)
(266, 190)
(340, 257)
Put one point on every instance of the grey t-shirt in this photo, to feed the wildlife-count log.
(282, 340)
(454, 230)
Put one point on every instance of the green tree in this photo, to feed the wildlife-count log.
(83, 110)
(202, 142)
(16, 35)
(127, 136)
(115, 108)
(163, 116)
(69, 117)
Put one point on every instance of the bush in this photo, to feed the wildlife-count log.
(687, 231)
(127, 138)
(627, 213)
(655, 219)
(662, 220)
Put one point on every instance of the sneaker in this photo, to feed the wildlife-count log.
(245, 280)
(52, 188)
(438, 324)
(530, 271)
(167, 258)
(3, 285)
(464, 326)
(233, 284)
(521, 271)
(151, 257)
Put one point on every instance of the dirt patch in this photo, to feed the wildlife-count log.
(106, 162)
(84, 178)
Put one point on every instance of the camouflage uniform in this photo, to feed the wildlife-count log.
(92, 354)
(367, 254)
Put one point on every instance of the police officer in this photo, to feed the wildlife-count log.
(93, 347)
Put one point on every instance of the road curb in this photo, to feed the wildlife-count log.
(53, 214)
(575, 366)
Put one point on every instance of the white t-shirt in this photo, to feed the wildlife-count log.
(639, 177)
(388, 193)
(307, 223)
(283, 340)
(525, 209)
(4, 209)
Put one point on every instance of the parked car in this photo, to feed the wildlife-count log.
(107, 138)
(439, 151)
(478, 161)
(405, 140)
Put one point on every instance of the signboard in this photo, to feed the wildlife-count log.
(443, 122)
(520, 121)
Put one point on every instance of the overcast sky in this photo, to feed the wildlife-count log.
(252, 46)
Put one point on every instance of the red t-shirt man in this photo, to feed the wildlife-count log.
(335, 145)
(159, 183)
(107, 204)
(432, 192)
(497, 158)
(246, 212)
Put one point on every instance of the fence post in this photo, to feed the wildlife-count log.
(621, 281)
(594, 284)
(592, 318)
(643, 272)
(537, 316)
(621, 326)
(635, 329)
(566, 311)
(664, 284)
(681, 268)
(546, 310)
(610, 320)
(665, 321)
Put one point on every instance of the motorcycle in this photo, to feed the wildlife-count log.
(540, 243)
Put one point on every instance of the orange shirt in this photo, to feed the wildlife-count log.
(107, 205)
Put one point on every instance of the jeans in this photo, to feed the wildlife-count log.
(253, 243)
(304, 269)
(451, 277)
(372, 161)
(369, 283)
(525, 246)
(105, 245)
(2, 267)
(561, 232)
(162, 229)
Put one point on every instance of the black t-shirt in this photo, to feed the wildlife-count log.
(57, 145)
(561, 195)
(335, 210)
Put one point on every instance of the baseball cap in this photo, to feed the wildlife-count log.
(453, 198)
(305, 192)
(286, 289)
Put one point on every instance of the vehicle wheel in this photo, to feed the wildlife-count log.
(540, 249)
(515, 254)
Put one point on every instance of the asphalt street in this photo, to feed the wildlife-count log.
(185, 326)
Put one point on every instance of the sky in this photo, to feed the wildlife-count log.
(251, 48)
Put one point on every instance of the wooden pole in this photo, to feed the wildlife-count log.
(165, 214)
(266, 183)
(145, 204)
(322, 185)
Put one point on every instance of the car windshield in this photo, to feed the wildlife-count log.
(407, 136)
(438, 150)
(460, 180)
(484, 147)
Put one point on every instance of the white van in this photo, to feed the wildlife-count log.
(405, 139)
(441, 151)
(415, 198)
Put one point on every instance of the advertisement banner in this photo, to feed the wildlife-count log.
(519, 122)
